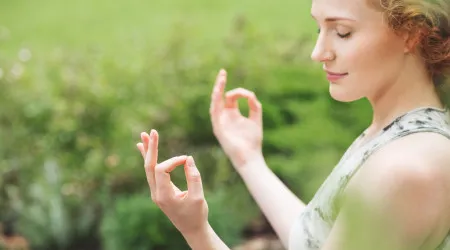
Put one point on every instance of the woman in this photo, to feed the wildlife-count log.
(392, 53)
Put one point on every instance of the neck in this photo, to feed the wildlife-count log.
(414, 91)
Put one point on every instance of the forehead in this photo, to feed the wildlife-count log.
(359, 10)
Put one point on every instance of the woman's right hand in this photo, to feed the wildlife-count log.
(239, 136)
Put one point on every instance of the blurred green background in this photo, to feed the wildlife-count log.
(79, 81)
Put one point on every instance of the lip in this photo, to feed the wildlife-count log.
(332, 76)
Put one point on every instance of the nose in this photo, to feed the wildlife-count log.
(321, 51)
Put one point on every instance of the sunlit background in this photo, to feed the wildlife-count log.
(79, 81)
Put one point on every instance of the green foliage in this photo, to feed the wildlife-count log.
(133, 222)
(69, 123)
(52, 215)
(226, 213)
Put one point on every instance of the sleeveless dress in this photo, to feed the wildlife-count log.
(312, 227)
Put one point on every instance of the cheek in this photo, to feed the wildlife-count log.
(374, 60)
(374, 52)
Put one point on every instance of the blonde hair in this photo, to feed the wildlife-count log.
(429, 20)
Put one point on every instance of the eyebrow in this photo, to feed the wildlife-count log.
(334, 18)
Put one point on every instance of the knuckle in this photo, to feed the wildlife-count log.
(196, 177)
(148, 171)
(159, 168)
(149, 164)
(198, 200)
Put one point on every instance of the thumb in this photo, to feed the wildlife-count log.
(194, 180)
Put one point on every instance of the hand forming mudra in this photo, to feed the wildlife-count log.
(187, 210)
(239, 136)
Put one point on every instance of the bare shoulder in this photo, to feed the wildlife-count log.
(408, 179)
(420, 158)
(425, 152)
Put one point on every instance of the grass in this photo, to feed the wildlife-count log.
(125, 27)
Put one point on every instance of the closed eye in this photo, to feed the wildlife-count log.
(347, 35)
(344, 35)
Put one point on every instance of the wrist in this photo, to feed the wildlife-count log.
(201, 239)
(256, 162)
(199, 232)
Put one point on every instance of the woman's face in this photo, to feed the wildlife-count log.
(357, 44)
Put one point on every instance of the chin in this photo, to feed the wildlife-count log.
(342, 94)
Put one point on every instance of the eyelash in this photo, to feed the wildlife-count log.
(341, 36)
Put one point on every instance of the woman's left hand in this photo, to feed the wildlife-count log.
(187, 210)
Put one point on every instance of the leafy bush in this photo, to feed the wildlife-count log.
(52, 216)
(135, 222)
(83, 114)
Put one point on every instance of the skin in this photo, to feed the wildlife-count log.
(405, 184)
(371, 48)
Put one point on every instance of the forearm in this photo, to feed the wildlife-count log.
(280, 206)
(205, 240)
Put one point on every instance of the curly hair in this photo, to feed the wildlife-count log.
(429, 21)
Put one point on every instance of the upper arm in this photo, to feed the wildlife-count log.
(396, 200)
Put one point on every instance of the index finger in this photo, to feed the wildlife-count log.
(164, 186)
(231, 101)
(217, 101)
